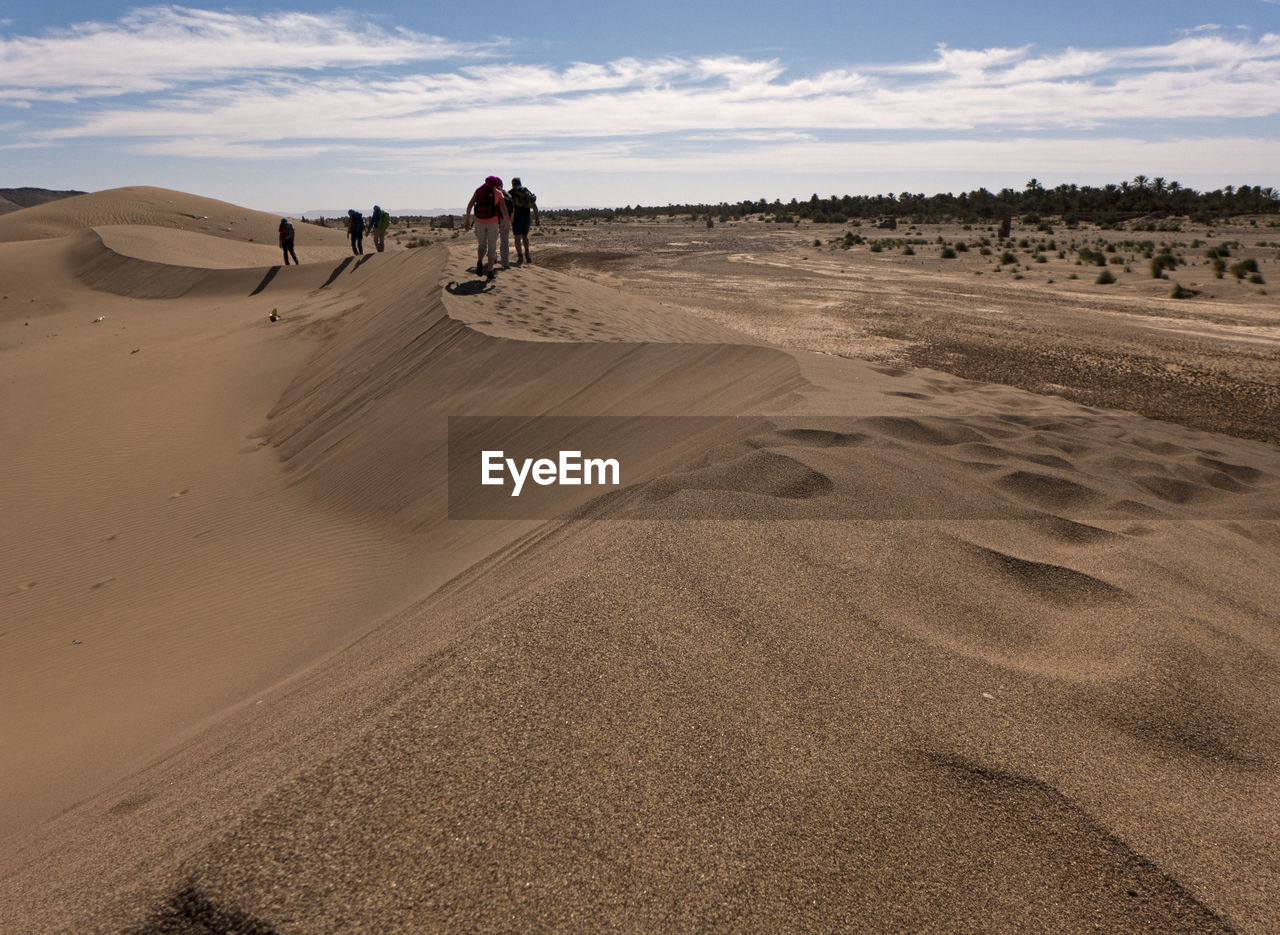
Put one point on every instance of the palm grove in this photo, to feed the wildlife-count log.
(1107, 204)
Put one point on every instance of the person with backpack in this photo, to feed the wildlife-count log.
(379, 221)
(490, 210)
(504, 248)
(526, 204)
(286, 241)
(355, 230)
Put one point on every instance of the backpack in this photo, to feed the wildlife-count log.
(522, 197)
(286, 230)
(486, 203)
(357, 222)
(383, 220)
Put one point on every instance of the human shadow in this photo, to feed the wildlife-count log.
(266, 280)
(470, 287)
(337, 271)
(362, 261)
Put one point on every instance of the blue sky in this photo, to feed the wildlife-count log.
(311, 105)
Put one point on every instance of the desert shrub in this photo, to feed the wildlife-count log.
(1105, 278)
(948, 253)
(1243, 268)
(1093, 257)
(1257, 279)
(1116, 261)
(961, 247)
(877, 247)
(1181, 292)
(907, 251)
(1041, 258)
(1219, 267)
(1007, 258)
(984, 251)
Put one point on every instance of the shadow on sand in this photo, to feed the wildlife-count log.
(470, 287)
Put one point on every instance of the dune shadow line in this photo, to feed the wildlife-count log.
(266, 280)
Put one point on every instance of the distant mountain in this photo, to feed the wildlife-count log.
(15, 199)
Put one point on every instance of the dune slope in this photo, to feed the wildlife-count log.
(907, 653)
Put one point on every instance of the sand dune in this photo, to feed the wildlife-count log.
(881, 650)
(158, 208)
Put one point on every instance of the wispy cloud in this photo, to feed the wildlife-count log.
(158, 48)
(176, 81)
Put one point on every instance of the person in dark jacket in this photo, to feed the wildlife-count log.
(526, 205)
(286, 241)
(379, 221)
(355, 230)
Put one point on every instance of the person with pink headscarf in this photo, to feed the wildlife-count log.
(490, 210)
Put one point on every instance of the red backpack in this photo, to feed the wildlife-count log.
(486, 202)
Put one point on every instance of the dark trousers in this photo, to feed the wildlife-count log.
(287, 247)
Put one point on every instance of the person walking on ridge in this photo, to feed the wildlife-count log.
(490, 213)
(379, 221)
(355, 230)
(286, 241)
(504, 247)
(526, 204)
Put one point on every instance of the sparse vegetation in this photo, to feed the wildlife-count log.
(1158, 206)
(1244, 268)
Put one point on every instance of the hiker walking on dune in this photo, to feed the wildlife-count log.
(379, 221)
(526, 204)
(286, 241)
(504, 247)
(490, 214)
(355, 230)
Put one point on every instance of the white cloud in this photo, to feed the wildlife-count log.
(279, 86)
(1076, 89)
(157, 48)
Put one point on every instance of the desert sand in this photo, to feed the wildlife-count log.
(965, 623)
